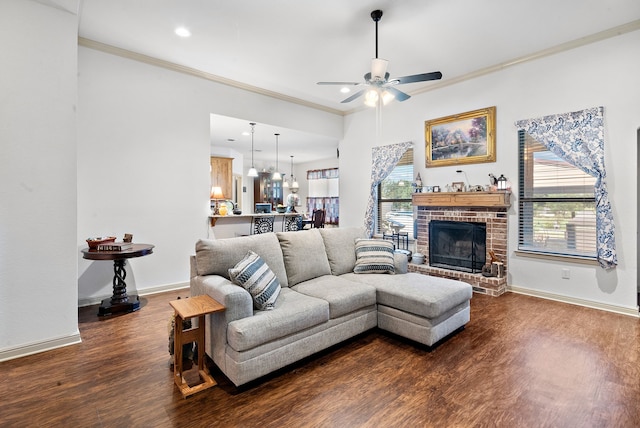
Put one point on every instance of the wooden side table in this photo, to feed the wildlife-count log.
(197, 306)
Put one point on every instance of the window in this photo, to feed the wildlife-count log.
(394, 197)
(323, 193)
(557, 203)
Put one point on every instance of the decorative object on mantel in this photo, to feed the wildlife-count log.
(457, 186)
(417, 185)
(236, 210)
(502, 182)
(493, 181)
(463, 138)
(466, 179)
(128, 237)
(436, 189)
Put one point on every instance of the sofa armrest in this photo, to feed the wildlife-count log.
(236, 300)
(193, 267)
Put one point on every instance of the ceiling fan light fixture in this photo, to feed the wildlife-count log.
(371, 98)
(378, 68)
(387, 97)
(378, 78)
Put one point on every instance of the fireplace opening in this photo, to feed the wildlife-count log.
(457, 245)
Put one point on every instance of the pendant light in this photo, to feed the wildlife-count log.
(294, 183)
(285, 182)
(252, 171)
(276, 174)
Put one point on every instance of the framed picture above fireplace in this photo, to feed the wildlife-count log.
(463, 138)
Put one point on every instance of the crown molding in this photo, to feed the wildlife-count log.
(563, 47)
(449, 81)
(103, 47)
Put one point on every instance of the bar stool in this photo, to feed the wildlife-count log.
(262, 224)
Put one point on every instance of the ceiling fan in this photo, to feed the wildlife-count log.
(378, 78)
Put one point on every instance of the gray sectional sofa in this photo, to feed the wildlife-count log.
(321, 301)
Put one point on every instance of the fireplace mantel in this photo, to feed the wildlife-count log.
(462, 199)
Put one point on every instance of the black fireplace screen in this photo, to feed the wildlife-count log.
(457, 245)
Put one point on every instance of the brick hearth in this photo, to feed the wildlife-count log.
(482, 207)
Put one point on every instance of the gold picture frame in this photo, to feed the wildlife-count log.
(463, 138)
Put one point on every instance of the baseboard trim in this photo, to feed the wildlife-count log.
(37, 347)
(94, 300)
(575, 301)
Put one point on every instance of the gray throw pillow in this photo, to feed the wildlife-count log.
(254, 275)
(374, 256)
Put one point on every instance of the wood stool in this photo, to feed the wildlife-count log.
(197, 306)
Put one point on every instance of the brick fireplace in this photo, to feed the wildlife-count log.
(474, 207)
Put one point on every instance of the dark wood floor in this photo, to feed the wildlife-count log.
(520, 362)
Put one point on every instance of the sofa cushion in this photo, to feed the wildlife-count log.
(343, 296)
(340, 242)
(304, 255)
(374, 256)
(216, 256)
(424, 295)
(293, 312)
(253, 274)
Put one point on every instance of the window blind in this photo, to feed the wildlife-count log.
(556, 203)
(394, 196)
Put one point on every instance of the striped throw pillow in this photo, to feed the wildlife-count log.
(374, 256)
(254, 275)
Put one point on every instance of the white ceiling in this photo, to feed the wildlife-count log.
(286, 46)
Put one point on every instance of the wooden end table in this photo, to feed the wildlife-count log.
(120, 301)
(197, 306)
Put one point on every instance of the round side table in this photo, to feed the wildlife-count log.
(120, 301)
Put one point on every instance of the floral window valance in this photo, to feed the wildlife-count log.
(384, 159)
(578, 138)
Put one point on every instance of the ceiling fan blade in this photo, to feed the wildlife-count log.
(399, 95)
(339, 83)
(353, 97)
(379, 68)
(419, 77)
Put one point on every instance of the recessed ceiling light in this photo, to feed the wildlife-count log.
(345, 90)
(183, 32)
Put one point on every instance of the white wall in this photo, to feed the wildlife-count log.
(38, 245)
(604, 73)
(154, 125)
